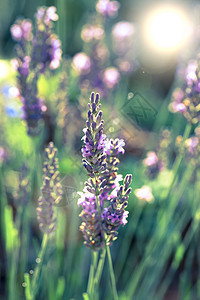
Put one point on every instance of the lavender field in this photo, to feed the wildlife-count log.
(99, 150)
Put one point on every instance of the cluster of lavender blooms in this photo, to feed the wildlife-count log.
(51, 191)
(157, 160)
(36, 51)
(98, 66)
(103, 199)
(186, 100)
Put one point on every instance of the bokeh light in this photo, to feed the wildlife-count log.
(167, 28)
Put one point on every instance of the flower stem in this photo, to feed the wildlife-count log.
(90, 287)
(178, 161)
(112, 275)
(39, 266)
(100, 268)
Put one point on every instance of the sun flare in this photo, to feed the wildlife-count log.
(167, 28)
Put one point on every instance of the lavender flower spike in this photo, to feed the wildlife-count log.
(115, 215)
(103, 200)
(93, 151)
(51, 191)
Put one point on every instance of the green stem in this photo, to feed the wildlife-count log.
(39, 266)
(159, 237)
(90, 287)
(123, 251)
(100, 268)
(15, 260)
(178, 161)
(28, 295)
(112, 275)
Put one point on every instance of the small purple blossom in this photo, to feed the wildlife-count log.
(144, 193)
(82, 63)
(108, 8)
(22, 30)
(192, 146)
(122, 36)
(111, 77)
(115, 146)
(92, 32)
(153, 164)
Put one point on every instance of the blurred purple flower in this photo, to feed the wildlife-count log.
(82, 63)
(92, 32)
(144, 193)
(111, 77)
(186, 100)
(51, 191)
(36, 52)
(3, 154)
(22, 30)
(153, 164)
(108, 8)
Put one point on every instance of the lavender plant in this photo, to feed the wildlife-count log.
(51, 196)
(103, 199)
(51, 191)
(36, 52)
(185, 100)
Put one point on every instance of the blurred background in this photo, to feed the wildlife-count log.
(136, 64)
(158, 66)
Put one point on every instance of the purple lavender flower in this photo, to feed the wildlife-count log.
(46, 51)
(153, 164)
(115, 215)
(93, 151)
(111, 178)
(91, 226)
(35, 51)
(101, 220)
(51, 191)
(22, 30)
(186, 100)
